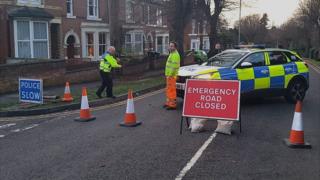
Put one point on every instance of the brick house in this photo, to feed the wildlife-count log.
(69, 29)
(143, 26)
(196, 32)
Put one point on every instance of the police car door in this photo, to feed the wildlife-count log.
(253, 72)
(276, 61)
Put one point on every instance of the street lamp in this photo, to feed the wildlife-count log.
(239, 23)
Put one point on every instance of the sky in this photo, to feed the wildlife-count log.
(278, 10)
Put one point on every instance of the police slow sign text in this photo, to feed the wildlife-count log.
(213, 99)
(30, 90)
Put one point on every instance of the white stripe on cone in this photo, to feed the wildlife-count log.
(84, 102)
(67, 90)
(297, 124)
(130, 106)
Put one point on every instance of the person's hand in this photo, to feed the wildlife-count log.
(118, 60)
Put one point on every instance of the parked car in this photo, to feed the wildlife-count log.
(262, 72)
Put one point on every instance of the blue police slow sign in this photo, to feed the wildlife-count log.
(30, 90)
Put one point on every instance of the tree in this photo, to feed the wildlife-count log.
(179, 13)
(264, 20)
(311, 10)
(213, 10)
(115, 24)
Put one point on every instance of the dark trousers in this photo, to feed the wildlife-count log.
(106, 82)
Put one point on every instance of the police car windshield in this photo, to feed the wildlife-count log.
(225, 59)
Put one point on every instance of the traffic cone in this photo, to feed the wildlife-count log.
(85, 110)
(67, 94)
(130, 119)
(296, 139)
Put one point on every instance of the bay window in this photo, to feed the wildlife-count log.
(31, 39)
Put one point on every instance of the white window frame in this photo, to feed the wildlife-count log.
(164, 43)
(87, 45)
(95, 15)
(134, 42)
(197, 44)
(36, 3)
(193, 26)
(95, 30)
(204, 27)
(148, 15)
(70, 15)
(159, 17)
(129, 11)
(206, 43)
(31, 37)
(105, 43)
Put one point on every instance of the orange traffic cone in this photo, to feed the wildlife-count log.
(85, 110)
(296, 139)
(67, 94)
(130, 116)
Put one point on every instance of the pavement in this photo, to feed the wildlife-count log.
(59, 90)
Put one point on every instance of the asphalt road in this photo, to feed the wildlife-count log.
(56, 147)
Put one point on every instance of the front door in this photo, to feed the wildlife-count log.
(70, 47)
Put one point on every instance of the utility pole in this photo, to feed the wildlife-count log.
(239, 23)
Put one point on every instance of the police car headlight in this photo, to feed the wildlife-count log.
(203, 76)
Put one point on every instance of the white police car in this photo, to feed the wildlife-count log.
(262, 72)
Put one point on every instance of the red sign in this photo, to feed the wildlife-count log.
(213, 99)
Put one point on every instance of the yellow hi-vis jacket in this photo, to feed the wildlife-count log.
(173, 64)
(108, 62)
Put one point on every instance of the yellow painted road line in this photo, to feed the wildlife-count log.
(67, 113)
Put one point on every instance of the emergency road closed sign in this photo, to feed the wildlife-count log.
(213, 99)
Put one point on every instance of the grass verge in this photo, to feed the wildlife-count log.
(119, 88)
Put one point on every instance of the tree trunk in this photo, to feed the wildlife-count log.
(213, 36)
(115, 30)
(201, 34)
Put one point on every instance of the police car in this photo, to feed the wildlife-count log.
(262, 72)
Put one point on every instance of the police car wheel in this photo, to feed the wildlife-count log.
(296, 91)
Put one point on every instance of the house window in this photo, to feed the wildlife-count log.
(31, 39)
(93, 8)
(148, 15)
(204, 27)
(206, 44)
(162, 44)
(134, 43)
(129, 11)
(195, 43)
(159, 17)
(30, 2)
(89, 44)
(193, 24)
(102, 43)
(69, 8)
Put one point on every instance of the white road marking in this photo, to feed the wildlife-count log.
(16, 130)
(195, 158)
(2, 136)
(67, 113)
(26, 128)
(30, 127)
(7, 125)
